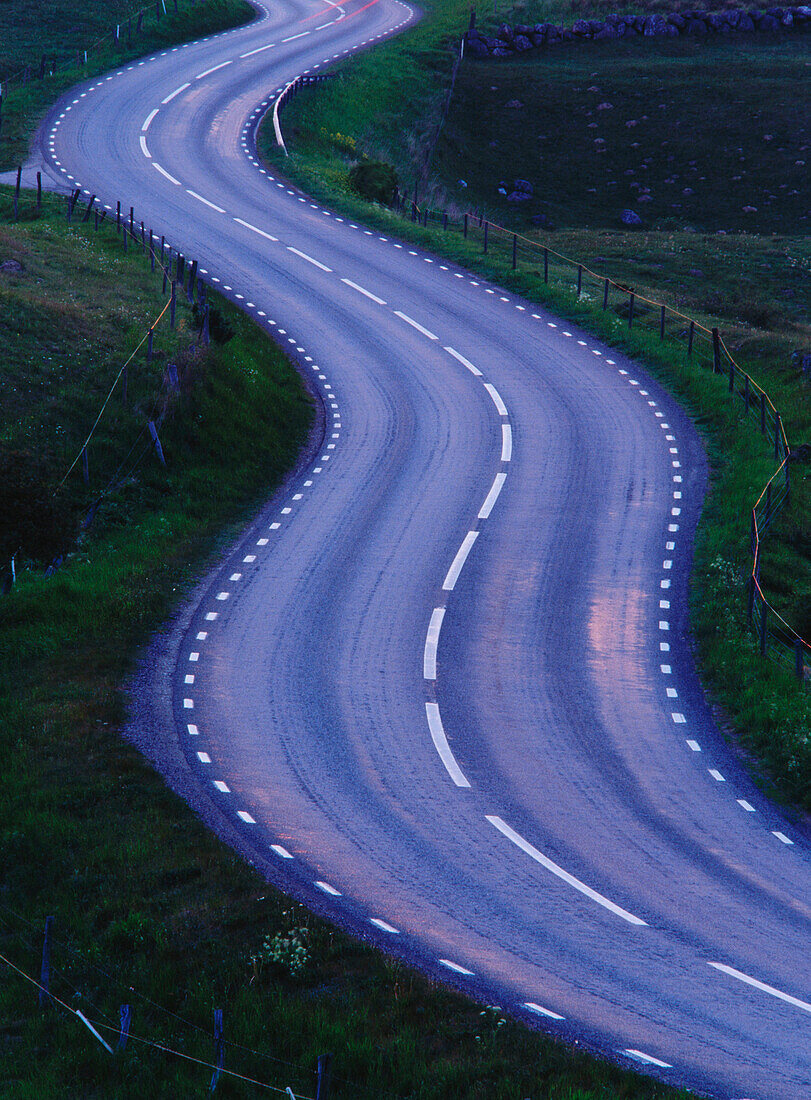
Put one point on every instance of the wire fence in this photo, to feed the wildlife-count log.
(704, 347)
(178, 277)
(122, 34)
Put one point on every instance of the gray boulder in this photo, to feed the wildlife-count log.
(523, 185)
(630, 217)
(522, 43)
(746, 23)
(654, 25)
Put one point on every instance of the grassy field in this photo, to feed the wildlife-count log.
(60, 32)
(149, 908)
(388, 105)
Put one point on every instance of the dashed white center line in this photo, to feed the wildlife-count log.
(280, 851)
(215, 69)
(246, 817)
(309, 259)
(148, 120)
(550, 865)
(431, 643)
(782, 837)
(206, 202)
(253, 229)
(744, 805)
(221, 786)
(362, 290)
(176, 92)
(770, 989)
(293, 37)
(415, 324)
(459, 561)
(465, 362)
(716, 775)
(441, 745)
(496, 396)
(506, 442)
(693, 745)
(165, 174)
(492, 496)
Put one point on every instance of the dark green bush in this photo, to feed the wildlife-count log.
(374, 180)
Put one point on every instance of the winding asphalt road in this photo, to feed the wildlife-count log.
(442, 689)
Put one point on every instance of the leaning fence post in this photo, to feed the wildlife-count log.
(125, 1018)
(153, 431)
(45, 969)
(579, 280)
(631, 310)
(89, 208)
(731, 377)
(716, 352)
(149, 344)
(39, 191)
(323, 1071)
(218, 1049)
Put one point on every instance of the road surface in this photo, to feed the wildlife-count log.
(442, 689)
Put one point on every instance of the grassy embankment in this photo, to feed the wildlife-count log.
(60, 31)
(702, 128)
(150, 909)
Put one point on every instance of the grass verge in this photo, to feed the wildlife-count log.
(62, 33)
(388, 105)
(149, 908)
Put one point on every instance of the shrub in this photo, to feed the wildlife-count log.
(374, 180)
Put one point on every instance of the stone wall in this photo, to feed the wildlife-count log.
(509, 41)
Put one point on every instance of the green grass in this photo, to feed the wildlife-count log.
(150, 909)
(388, 104)
(61, 31)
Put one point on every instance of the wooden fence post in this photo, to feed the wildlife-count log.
(486, 226)
(153, 431)
(323, 1072)
(45, 968)
(662, 324)
(716, 352)
(464, 231)
(731, 377)
(631, 309)
(39, 191)
(778, 434)
(17, 189)
(579, 280)
(605, 295)
(219, 1050)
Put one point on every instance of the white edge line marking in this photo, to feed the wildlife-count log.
(459, 561)
(456, 967)
(148, 120)
(145, 148)
(648, 1059)
(506, 442)
(782, 837)
(465, 362)
(384, 926)
(415, 324)
(253, 229)
(205, 202)
(208, 72)
(431, 643)
(293, 37)
(542, 1011)
(364, 291)
(309, 259)
(441, 745)
(733, 973)
(325, 886)
(492, 496)
(177, 91)
(280, 851)
(500, 406)
(165, 174)
(544, 861)
(246, 817)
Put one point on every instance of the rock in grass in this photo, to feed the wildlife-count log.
(630, 217)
